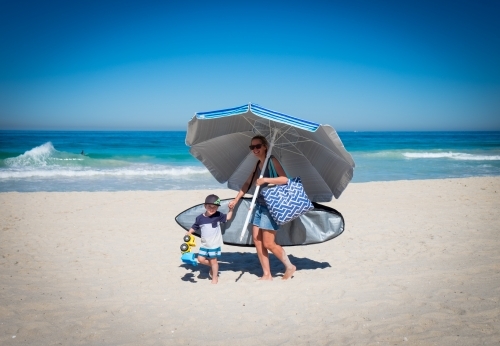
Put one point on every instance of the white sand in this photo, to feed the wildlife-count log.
(418, 264)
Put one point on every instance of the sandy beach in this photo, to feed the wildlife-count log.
(418, 264)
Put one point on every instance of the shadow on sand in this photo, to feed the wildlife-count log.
(244, 262)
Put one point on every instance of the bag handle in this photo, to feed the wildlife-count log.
(272, 169)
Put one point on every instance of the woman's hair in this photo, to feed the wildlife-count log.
(262, 139)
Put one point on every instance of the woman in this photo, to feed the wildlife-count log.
(264, 227)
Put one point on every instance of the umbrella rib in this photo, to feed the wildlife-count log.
(248, 120)
(283, 130)
(282, 134)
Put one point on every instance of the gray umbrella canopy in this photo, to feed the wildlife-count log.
(220, 140)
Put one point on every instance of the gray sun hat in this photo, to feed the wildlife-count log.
(212, 199)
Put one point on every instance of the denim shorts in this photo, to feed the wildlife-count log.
(263, 219)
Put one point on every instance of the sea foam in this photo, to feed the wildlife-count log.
(45, 161)
(178, 172)
(452, 155)
(35, 157)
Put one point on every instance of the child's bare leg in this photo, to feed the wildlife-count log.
(215, 270)
(268, 239)
(203, 260)
(262, 254)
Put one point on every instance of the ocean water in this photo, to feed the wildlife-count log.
(119, 161)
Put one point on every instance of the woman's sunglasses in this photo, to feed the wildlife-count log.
(256, 146)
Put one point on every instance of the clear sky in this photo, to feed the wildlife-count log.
(150, 65)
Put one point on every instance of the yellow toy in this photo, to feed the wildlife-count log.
(188, 256)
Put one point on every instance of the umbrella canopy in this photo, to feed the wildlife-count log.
(220, 139)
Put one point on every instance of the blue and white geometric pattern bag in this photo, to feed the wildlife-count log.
(288, 201)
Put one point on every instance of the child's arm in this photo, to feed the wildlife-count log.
(229, 215)
(190, 231)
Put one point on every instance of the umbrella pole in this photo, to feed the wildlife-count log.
(257, 188)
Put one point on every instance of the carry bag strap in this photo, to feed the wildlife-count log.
(253, 176)
(272, 170)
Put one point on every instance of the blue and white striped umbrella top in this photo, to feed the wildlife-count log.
(264, 113)
(220, 139)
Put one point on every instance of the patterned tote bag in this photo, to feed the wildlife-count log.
(286, 202)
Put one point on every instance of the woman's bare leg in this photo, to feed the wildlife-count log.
(269, 242)
(262, 253)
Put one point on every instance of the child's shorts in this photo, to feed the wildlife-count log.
(263, 219)
(209, 253)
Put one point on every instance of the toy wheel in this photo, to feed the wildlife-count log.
(184, 247)
(186, 238)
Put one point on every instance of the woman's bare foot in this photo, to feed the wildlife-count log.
(289, 272)
(266, 278)
(215, 280)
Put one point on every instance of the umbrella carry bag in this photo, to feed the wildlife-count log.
(288, 201)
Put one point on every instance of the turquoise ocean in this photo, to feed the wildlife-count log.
(120, 161)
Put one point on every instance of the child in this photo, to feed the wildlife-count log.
(211, 236)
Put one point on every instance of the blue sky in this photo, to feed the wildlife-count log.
(150, 65)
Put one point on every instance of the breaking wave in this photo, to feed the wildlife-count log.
(452, 155)
(45, 161)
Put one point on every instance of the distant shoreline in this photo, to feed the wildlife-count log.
(223, 190)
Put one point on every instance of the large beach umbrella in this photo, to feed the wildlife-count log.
(220, 139)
